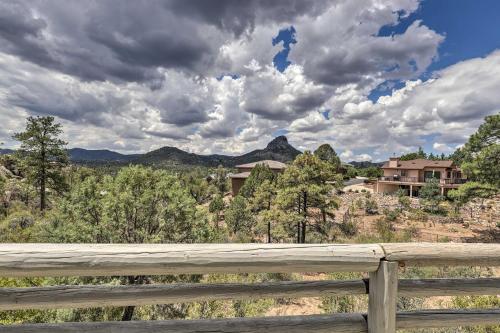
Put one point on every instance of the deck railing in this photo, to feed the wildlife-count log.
(380, 260)
(404, 179)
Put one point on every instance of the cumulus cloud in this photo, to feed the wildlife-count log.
(445, 107)
(348, 155)
(200, 75)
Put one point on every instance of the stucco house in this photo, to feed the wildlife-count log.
(413, 174)
(244, 170)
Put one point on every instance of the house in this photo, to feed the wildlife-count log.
(244, 170)
(413, 174)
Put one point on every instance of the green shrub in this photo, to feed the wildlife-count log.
(384, 229)
(371, 207)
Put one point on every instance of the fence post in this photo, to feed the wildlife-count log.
(382, 298)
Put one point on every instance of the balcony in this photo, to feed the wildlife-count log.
(401, 179)
(453, 181)
(404, 179)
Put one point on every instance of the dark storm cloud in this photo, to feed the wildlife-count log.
(182, 110)
(112, 40)
(240, 16)
(22, 33)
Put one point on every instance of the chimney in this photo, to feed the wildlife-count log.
(393, 162)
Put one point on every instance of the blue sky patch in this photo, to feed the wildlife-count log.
(287, 37)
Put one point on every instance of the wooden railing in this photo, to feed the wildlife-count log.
(405, 179)
(380, 260)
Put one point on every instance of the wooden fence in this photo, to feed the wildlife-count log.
(380, 260)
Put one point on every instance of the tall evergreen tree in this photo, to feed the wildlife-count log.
(305, 184)
(326, 153)
(42, 155)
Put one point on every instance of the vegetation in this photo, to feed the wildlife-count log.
(326, 153)
(42, 155)
(138, 204)
(480, 158)
(431, 196)
(306, 184)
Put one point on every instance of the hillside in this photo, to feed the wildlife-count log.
(278, 149)
(103, 155)
(366, 164)
(6, 151)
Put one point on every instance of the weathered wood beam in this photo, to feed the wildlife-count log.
(382, 298)
(337, 323)
(21, 260)
(85, 296)
(437, 254)
(94, 296)
(447, 318)
(448, 287)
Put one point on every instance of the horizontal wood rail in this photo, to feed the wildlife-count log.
(87, 296)
(22, 260)
(337, 323)
(381, 261)
(438, 254)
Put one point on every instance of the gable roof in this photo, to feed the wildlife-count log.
(420, 164)
(276, 165)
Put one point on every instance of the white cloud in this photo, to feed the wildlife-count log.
(442, 147)
(348, 155)
(115, 85)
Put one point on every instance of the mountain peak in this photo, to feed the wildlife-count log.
(279, 142)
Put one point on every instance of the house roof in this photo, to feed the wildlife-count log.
(270, 163)
(240, 175)
(420, 164)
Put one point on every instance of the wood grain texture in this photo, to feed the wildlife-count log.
(382, 298)
(437, 254)
(22, 260)
(95, 296)
(448, 287)
(338, 323)
(84, 296)
(447, 318)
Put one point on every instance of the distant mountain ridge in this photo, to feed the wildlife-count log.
(366, 164)
(278, 149)
(99, 155)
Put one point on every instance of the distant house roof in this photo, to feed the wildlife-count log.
(240, 175)
(270, 163)
(420, 164)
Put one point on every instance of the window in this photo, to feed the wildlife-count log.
(432, 174)
(403, 173)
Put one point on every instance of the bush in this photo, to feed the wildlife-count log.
(404, 201)
(419, 215)
(384, 229)
(371, 207)
(349, 228)
(391, 215)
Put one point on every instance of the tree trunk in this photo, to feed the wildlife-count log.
(269, 224)
(128, 313)
(42, 185)
(298, 222)
(304, 222)
(269, 231)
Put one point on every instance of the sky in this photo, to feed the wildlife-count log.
(373, 78)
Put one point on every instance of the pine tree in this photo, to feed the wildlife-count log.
(305, 184)
(42, 155)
